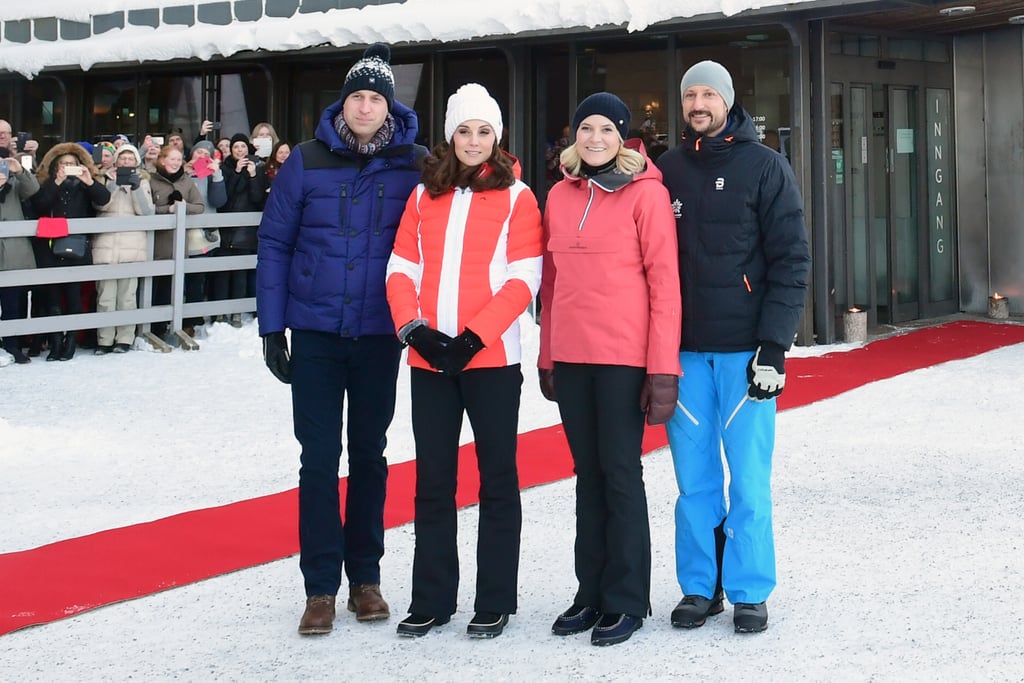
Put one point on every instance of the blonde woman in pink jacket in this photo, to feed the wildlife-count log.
(609, 355)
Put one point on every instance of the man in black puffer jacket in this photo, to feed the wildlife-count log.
(743, 270)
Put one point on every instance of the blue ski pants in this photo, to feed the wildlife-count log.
(713, 418)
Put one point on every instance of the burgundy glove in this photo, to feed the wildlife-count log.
(658, 398)
(547, 383)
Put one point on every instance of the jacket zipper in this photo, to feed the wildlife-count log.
(344, 212)
(380, 207)
(586, 209)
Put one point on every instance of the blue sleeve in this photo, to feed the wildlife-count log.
(278, 233)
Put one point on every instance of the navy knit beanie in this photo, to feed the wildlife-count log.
(608, 106)
(242, 137)
(372, 72)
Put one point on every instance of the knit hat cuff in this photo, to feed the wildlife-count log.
(472, 102)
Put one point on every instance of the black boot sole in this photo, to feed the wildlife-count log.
(419, 630)
(718, 608)
(487, 630)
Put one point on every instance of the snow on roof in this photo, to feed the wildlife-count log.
(412, 21)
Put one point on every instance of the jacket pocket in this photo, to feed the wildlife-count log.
(302, 275)
(583, 245)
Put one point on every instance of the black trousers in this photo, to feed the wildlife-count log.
(490, 397)
(600, 409)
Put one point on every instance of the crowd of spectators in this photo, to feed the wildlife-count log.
(113, 177)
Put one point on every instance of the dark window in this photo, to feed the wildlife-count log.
(214, 13)
(318, 5)
(18, 31)
(181, 15)
(248, 10)
(101, 23)
(144, 17)
(46, 29)
(281, 8)
(73, 30)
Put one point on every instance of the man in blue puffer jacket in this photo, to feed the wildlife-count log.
(743, 270)
(324, 242)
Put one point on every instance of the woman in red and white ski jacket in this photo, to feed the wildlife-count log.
(466, 264)
(468, 259)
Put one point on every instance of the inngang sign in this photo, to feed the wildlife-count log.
(938, 125)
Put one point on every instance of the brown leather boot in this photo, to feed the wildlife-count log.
(365, 600)
(318, 617)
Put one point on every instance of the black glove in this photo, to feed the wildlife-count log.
(460, 352)
(767, 372)
(174, 196)
(430, 343)
(276, 356)
(547, 383)
(135, 180)
(658, 398)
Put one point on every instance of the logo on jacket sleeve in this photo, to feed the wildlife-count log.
(719, 184)
(677, 208)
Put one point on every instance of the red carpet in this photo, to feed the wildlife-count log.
(71, 576)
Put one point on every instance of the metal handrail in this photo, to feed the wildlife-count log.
(176, 267)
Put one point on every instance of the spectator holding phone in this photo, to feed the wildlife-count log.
(245, 184)
(19, 145)
(223, 146)
(170, 185)
(103, 155)
(16, 186)
(277, 158)
(130, 195)
(205, 128)
(206, 172)
(264, 139)
(67, 188)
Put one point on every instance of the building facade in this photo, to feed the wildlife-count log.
(904, 122)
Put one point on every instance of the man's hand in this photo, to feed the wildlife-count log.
(767, 372)
(276, 356)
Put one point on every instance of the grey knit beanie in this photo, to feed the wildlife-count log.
(713, 75)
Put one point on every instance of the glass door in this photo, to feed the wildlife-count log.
(891, 197)
(904, 243)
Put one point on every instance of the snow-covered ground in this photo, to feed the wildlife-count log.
(899, 523)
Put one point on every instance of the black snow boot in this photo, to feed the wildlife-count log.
(53, 341)
(12, 345)
(70, 344)
(748, 618)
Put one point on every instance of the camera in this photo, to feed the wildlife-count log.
(158, 140)
(26, 162)
(215, 125)
(23, 137)
(73, 170)
(124, 175)
(5, 167)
